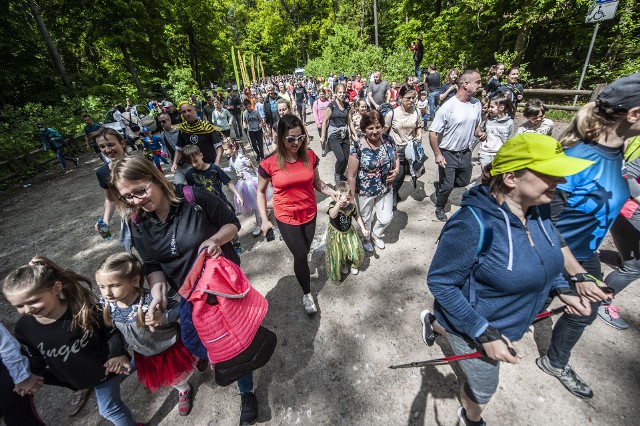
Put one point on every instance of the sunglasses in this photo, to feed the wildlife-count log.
(139, 194)
(295, 139)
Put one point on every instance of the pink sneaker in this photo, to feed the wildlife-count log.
(184, 401)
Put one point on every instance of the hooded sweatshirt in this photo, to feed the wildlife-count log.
(514, 278)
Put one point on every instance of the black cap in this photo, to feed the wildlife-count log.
(623, 94)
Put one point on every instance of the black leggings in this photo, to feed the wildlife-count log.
(298, 239)
(340, 148)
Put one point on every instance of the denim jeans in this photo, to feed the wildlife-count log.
(110, 405)
(417, 69)
(569, 328)
(626, 236)
(245, 383)
(434, 102)
(62, 157)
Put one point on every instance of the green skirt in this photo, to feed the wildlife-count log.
(342, 248)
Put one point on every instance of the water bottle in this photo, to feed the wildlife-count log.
(103, 228)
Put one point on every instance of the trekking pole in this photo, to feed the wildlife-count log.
(478, 354)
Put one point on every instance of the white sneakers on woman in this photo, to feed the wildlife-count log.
(309, 304)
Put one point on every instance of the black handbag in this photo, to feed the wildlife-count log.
(133, 126)
(255, 356)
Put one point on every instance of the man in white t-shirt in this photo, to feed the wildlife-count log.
(451, 134)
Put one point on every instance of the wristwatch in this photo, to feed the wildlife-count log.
(581, 277)
(490, 334)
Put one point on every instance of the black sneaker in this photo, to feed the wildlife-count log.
(249, 410)
(428, 334)
(465, 421)
(440, 215)
(567, 377)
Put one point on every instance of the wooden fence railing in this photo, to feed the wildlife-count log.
(16, 165)
(593, 94)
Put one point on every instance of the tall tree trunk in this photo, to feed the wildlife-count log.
(438, 7)
(362, 21)
(3, 101)
(55, 56)
(375, 20)
(193, 53)
(132, 69)
(521, 43)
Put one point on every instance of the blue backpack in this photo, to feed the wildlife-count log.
(484, 244)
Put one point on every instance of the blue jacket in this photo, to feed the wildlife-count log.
(514, 278)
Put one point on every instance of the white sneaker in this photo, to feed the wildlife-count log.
(256, 231)
(344, 269)
(309, 304)
(354, 271)
(378, 242)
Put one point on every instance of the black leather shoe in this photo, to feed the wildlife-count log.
(440, 215)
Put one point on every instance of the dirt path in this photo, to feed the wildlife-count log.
(331, 368)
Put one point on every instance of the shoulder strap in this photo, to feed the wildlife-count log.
(187, 191)
(486, 238)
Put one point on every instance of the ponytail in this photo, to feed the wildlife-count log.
(42, 274)
(589, 123)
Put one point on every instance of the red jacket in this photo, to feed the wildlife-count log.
(227, 311)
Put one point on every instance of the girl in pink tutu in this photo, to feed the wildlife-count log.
(160, 357)
(247, 184)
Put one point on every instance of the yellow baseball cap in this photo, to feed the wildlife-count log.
(540, 153)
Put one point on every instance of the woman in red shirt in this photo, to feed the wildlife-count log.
(293, 172)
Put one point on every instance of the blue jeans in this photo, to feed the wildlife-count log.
(245, 383)
(312, 99)
(110, 405)
(417, 69)
(569, 328)
(425, 118)
(62, 157)
(434, 102)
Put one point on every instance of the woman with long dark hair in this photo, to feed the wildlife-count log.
(293, 173)
(335, 131)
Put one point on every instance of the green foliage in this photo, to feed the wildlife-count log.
(182, 84)
(508, 58)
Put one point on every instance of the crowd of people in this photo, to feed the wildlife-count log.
(529, 230)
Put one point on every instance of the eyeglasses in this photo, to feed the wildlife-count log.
(163, 121)
(295, 139)
(139, 194)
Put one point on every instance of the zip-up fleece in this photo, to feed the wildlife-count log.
(514, 277)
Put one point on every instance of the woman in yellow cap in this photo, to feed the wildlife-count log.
(497, 260)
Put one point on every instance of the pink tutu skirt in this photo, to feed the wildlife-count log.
(166, 368)
(248, 189)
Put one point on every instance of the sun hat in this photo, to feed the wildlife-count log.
(540, 153)
(623, 94)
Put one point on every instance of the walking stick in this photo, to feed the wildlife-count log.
(478, 354)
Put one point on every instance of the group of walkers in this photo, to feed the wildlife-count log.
(537, 199)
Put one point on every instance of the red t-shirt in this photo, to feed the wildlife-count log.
(294, 197)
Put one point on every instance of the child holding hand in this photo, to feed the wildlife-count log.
(65, 337)
(160, 357)
(343, 244)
